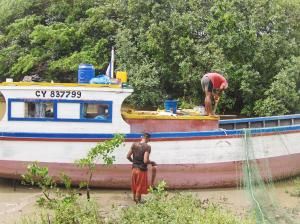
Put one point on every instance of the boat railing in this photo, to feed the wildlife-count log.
(260, 122)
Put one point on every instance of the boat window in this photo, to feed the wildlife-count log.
(68, 110)
(38, 109)
(59, 110)
(2, 106)
(97, 111)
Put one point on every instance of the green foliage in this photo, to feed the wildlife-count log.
(296, 192)
(102, 152)
(24, 65)
(147, 90)
(39, 176)
(183, 104)
(159, 191)
(64, 204)
(165, 46)
(68, 212)
(162, 207)
(283, 96)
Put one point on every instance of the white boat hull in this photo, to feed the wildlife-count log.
(183, 162)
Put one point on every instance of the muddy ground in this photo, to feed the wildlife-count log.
(19, 201)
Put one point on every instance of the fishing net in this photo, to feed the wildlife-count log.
(259, 184)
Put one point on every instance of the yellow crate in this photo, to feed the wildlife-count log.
(122, 76)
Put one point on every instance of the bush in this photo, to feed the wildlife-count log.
(296, 192)
(68, 212)
(83, 212)
(179, 208)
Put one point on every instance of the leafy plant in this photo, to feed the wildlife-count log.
(79, 211)
(296, 192)
(285, 86)
(161, 207)
(68, 212)
(102, 151)
(159, 191)
(39, 176)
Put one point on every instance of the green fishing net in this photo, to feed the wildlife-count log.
(258, 182)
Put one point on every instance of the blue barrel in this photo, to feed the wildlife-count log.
(85, 73)
(171, 106)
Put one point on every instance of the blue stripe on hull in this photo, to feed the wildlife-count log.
(156, 135)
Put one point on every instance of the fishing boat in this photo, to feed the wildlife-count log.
(57, 123)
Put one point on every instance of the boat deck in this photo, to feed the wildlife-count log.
(160, 121)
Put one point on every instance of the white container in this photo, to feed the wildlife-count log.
(200, 109)
(9, 80)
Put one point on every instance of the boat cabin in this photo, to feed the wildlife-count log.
(64, 108)
(86, 108)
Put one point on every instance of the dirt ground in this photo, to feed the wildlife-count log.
(19, 201)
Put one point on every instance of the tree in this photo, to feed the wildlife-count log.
(102, 151)
(165, 46)
(283, 96)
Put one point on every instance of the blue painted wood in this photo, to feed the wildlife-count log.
(157, 135)
(260, 119)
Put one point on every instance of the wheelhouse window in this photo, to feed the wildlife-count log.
(39, 109)
(59, 110)
(96, 111)
(30, 109)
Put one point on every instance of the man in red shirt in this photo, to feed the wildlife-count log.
(213, 84)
